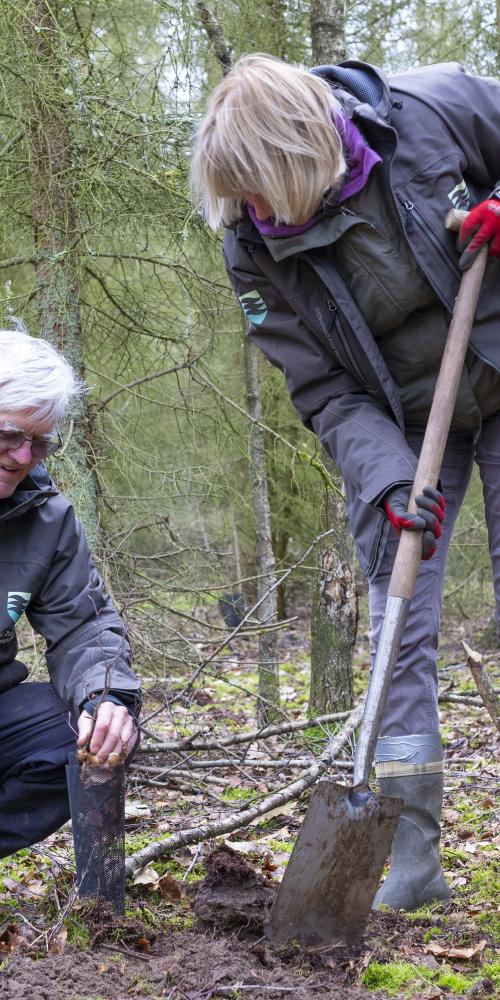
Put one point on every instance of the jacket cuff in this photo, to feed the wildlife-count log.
(131, 700)
(376, 499)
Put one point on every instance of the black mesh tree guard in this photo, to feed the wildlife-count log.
(97, 802)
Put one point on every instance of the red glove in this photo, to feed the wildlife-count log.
(481, 226)
(430, 513)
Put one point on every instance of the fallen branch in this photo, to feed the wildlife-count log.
(243, 818)
(194, 743)
(248, 762)
(460, 699)
(490, 699)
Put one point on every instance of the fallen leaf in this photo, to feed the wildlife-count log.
(142, 944)
(136, 810)
(169, 888)
(146, 876)
(246, 847)
(10, 939)
(58, 943)
(268, 867)
(37, 888)
(462, 953)
(286, 810)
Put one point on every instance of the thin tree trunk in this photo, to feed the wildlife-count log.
(328, 31)
(269, 689)
(334, 614)
(52, 175)
(269, 694)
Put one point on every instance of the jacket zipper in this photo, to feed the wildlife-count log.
(410, 208)
(344, 340)
(19, 507)
(418, 219)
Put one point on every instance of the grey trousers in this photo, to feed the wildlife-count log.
(412, 706)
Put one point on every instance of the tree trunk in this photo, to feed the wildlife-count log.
(269, 694)
(328, 31)
(334, 616)
(52, 175)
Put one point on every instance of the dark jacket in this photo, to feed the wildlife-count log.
(47, 572)
(438, 132)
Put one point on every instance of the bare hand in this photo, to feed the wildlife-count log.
(115, 731)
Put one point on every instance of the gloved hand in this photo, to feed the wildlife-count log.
(481, 226)
(430, 513)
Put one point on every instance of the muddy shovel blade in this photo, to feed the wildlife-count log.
(335, 867)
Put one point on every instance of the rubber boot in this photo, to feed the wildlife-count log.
(415, 876)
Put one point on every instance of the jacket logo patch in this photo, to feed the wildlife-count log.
(459, 196)
(254, 307)
(7, 636)
(17, 602)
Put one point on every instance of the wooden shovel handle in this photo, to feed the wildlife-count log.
(409, 552)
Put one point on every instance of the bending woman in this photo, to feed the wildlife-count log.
(333, 186)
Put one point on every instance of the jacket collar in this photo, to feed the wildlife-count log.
(34, 490)
(362, 89)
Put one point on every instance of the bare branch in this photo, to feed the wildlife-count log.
(490, 699)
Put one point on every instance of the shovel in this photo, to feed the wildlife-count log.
(334, 870)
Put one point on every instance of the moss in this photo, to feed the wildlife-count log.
(392, 976)
(492, 971)
(231, 794)
(281, 845)
(427, 914)
(456, 982)
(78, 934)
(450, 856)
(484, 883)
(490, 922)
(179, 923)
(431, 933)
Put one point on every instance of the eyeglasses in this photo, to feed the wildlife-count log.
(41, 447)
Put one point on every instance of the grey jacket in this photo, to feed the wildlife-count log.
(438, 132)
(48, 574)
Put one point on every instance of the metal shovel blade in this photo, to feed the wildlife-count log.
(335, 867)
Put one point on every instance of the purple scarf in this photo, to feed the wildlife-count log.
(360, 162)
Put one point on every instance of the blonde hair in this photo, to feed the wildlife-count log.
(268, 130)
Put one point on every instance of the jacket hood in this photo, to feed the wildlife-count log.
(31, 492)
(359, 87)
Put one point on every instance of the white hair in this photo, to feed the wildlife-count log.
(35, 376)
(268, 130)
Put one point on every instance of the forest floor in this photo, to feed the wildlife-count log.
(189, 935)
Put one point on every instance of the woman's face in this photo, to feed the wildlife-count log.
(264, 211)
(261, 207)
(15, 463)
